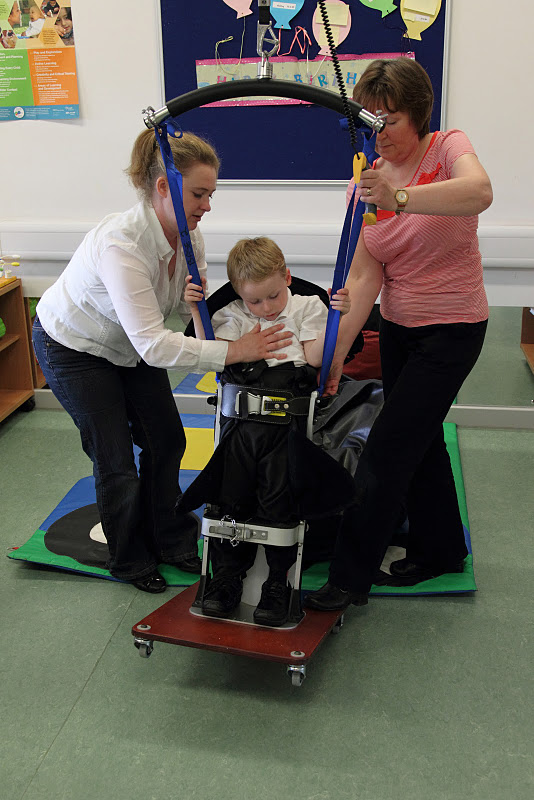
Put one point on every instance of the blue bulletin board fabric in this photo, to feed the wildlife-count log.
(294, 142)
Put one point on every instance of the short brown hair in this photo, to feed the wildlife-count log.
(398, 84)
(254, 260)
(146, 163)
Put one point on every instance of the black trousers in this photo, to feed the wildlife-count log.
(237, 560)
(114, 408)
(255, 476)
(405, 464)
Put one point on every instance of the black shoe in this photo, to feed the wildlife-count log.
(411, 573)
(331, 598)
(381, 578)
(154, 583)
(274, 603)
(193, 564)
(222, 596)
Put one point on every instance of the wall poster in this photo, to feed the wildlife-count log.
(37, 60)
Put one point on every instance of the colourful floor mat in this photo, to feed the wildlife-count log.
(79, 505)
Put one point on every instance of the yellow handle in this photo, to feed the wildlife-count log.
(369, 218)
(359, 163)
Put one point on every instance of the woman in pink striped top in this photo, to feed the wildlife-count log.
(422, 257)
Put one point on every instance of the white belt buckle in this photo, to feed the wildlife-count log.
(254, 403)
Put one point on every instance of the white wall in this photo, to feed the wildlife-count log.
(55, 197)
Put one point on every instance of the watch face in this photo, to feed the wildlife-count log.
(402, 196)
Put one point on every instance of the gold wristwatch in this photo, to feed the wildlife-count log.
(402, 197)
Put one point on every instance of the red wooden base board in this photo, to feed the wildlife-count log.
(174, 623)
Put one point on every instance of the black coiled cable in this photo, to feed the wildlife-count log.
(339, 76)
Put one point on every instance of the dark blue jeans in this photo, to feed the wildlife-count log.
(405, 466)
(113, 408)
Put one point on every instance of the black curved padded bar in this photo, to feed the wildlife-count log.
(262, 87)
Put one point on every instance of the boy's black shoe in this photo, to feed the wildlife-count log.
(274, 603)
(332, 598)
(222, 596)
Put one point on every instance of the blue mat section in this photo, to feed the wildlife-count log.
(189, 386)
(83, 494)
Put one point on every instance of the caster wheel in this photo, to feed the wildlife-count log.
(339, 624)
(144, 646)
(29, 405)
(297, 679)
(297, 674)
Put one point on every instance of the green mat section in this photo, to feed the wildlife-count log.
(34, 551)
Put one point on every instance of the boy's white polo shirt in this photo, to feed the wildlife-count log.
(305, 316)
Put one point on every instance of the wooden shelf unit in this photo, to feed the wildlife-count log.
(16, 380)
(527, 336)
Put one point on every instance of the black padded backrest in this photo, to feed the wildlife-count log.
(226, 294)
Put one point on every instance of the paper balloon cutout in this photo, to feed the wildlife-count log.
(284, 10)
(418, 15)
(340, 21)
(241, 6)
(385, 6)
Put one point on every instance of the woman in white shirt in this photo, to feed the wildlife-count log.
(100, 340)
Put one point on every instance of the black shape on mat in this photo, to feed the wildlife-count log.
(69, 536)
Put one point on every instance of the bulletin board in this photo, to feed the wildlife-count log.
(283, 142)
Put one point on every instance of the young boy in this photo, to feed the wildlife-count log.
(251, 479)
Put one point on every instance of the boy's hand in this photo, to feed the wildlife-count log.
(193, 293)
(340, 301)
(332, 382)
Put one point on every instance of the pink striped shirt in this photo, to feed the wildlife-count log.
(432, 264)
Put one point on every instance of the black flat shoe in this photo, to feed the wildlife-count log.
(411, 573)
(154, 583)
(193, 564)
(273, 607)
(331, 598)
(381, 578)
(222, 596)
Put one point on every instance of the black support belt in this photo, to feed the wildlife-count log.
(262, 405)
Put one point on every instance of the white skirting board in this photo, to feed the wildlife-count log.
(511, 417)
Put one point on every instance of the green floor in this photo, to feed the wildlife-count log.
(425, 698)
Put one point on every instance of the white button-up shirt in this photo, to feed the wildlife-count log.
(114, 295)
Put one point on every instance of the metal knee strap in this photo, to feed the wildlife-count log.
(262, 405)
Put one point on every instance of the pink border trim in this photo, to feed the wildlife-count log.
(208, 62)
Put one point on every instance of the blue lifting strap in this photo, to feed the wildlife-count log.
(174, 178)
(347, 246)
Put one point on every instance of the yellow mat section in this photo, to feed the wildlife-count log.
(207, 383)
(199, 448)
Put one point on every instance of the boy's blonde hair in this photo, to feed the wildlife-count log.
(254, 260)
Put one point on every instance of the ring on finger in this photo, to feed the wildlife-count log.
(368, 192)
